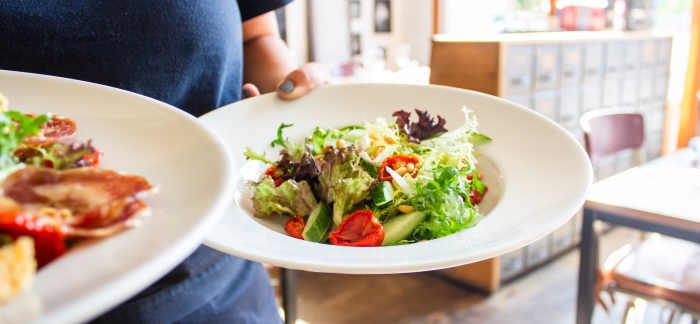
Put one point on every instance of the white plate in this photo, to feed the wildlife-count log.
(538, 176)
(140, 136)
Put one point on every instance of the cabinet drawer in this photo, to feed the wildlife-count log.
(571, 64)
(512, 263)
(590, 100)
(569, 107)
(648, 56)
(655, 124)
(630, 92)
(661, 87)
(578, 224)
(539, 251)
(646, 89)
(519, 69)
(593, 62)
(523, 100)
(611, 93)
(546, 67)
(653, 150)
(545, 103)
(563, 237)
(577, 133)
(613, 60)
(663, 57)
(632, 58)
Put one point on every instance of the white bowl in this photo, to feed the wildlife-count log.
(140, 136)
(538, 176)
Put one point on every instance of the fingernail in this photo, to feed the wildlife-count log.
(246, 93)
(287, 86)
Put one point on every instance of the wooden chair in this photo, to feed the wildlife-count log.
(611, 130)
(664, 271)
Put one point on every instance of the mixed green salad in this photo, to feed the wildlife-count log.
(382, 183)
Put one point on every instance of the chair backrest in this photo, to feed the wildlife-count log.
(610, 130)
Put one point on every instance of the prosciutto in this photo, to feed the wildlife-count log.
(87, 202)
(57, 130)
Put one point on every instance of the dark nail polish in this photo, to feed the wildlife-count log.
(246, 93)
(287, 86)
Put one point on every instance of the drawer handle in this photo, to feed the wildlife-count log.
(520, 81)
(613, 69)
(592, 71)
(546, 77)
(570, 74)
(514, 264)
(630, 66)
(564, 241)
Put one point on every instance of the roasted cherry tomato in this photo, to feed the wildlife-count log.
(295, 226)
(475, 197)
(396, 162)
(275, 174)
(361, 228)
(48, 238)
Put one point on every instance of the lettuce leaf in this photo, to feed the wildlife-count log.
(342, 181)
(291, 197)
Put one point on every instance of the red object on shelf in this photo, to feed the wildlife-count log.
(582, 18)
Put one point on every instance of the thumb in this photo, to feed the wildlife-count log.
(303, 80)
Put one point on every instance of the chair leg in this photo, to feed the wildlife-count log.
(630, 306)
(288, 284)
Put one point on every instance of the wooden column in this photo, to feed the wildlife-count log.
(689, 105)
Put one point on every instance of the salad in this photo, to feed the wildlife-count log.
(378, 184)
(53, 193)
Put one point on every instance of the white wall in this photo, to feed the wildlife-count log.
(411, 23)
(295, 15)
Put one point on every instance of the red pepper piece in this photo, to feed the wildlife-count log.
(295, 226)
(361, 228)
(48, 238)
(274, 173)
(475, 197)
(401, 160)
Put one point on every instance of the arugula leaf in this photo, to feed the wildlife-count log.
(280, 140)
(477, 184)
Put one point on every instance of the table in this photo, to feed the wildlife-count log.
(661, 196)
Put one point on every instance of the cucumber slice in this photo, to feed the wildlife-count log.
(382, 193)
(400, 227)
(353, 135)
(318, 223)
(478, 139)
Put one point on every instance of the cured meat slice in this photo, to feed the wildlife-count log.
(77, 190)
(58, 130)
(87, 202)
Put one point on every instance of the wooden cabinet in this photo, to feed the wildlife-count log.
(561, 76)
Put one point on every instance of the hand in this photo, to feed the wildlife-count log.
(297, 83)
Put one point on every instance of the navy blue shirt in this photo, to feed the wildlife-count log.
(187, 53)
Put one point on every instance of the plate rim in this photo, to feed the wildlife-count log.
(482, 254)
(130, 282)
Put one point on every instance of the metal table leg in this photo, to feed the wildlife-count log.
(587, 269)
(288, 283)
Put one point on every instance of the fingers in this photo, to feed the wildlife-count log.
(249, 90)
(303, 80)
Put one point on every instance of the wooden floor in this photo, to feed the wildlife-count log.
(547, 295)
